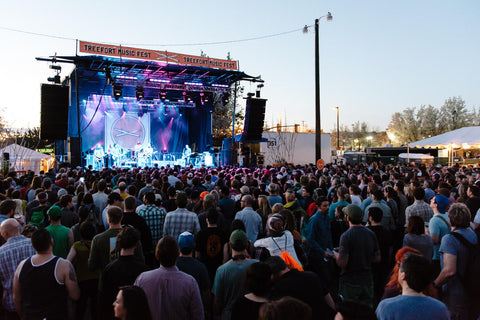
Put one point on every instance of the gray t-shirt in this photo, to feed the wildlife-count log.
(453, 290)
(360, 244)
(422, 243)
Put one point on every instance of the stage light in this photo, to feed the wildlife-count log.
(139, 93)
(55, 79)
(117, 90)
(163, 95)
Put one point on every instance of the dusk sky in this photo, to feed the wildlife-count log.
(377, 57)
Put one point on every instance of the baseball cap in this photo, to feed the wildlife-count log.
(353, 212)
(185, 240)
(62, 192)
(442, 203)
(54, 212)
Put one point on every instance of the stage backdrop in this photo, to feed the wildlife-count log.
(127, 130)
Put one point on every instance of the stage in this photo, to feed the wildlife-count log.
(143, 112)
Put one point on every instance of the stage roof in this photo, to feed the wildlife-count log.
(465, 137)
(155, 74)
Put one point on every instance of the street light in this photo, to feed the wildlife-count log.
(338, 129)
(369, 138)
(318, 129)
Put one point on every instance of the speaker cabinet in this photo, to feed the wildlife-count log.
(54, 112)
(254, 118)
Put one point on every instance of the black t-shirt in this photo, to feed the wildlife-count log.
(209, 244)
(196, 269)
(360, 244)
(121, 272)
(305, 286)
(245, 309)
(384, 239)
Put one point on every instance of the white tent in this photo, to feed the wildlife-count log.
(466, 137)
(23, 159)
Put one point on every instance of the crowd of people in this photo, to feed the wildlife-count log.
(345, 242)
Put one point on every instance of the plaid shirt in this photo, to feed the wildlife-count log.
(155, 218)
(419, 208)
(15, 250)
(179, 221)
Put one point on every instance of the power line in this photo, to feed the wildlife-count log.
(160, 45)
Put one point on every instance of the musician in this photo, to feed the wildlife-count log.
(98, 157)
(187, 152)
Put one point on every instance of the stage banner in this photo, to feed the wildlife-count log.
(156, 55)
(129, 131)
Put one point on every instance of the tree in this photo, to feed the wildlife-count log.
(427, 118)
(223, 115)
(453, 114)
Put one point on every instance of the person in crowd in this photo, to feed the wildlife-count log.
(183, 300)
(37, 215)
(284, 309)
(338, 226)
(343, 196)
(319, 241)
(454, 260)
(294, 206)
(358, 250)
(114, 200)
(387, 218)
(414, 277)
(16, 249)
(68, 218)
(393, 288)
(350, 310)
(60, 234)
(131, 218)
(257, 283)
(100, 197)
(120, 272)
(154, 216)
(305, 286)
(419, 207)
(473, 199)
(264, 209)
(103, 249)
(384, 238)
(251, 219)
(227, 206)
(131, 304)
(438, 227)
(415, 237)
(209, 244)
(87, 280)
(228, 283)
(181, 219)
(188, 264)
(43, 282)
(278, 239)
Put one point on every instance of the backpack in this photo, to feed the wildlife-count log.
(39, 218)
(471, 278)
(287, 257)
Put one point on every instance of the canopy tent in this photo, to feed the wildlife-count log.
(466, 137)
(23, 159)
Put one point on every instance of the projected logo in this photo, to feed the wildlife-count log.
(126, 131)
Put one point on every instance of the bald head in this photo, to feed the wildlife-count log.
(9, 228)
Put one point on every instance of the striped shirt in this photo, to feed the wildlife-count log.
(16, 249)
(155, 218)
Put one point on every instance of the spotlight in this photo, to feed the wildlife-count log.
(163, 95)
(117, 90)
(55, 79)
(139, 92)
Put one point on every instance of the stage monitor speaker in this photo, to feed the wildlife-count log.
(254, 117)
(74, 152)
(54, 112)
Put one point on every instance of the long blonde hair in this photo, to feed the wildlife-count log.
(264, 205)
